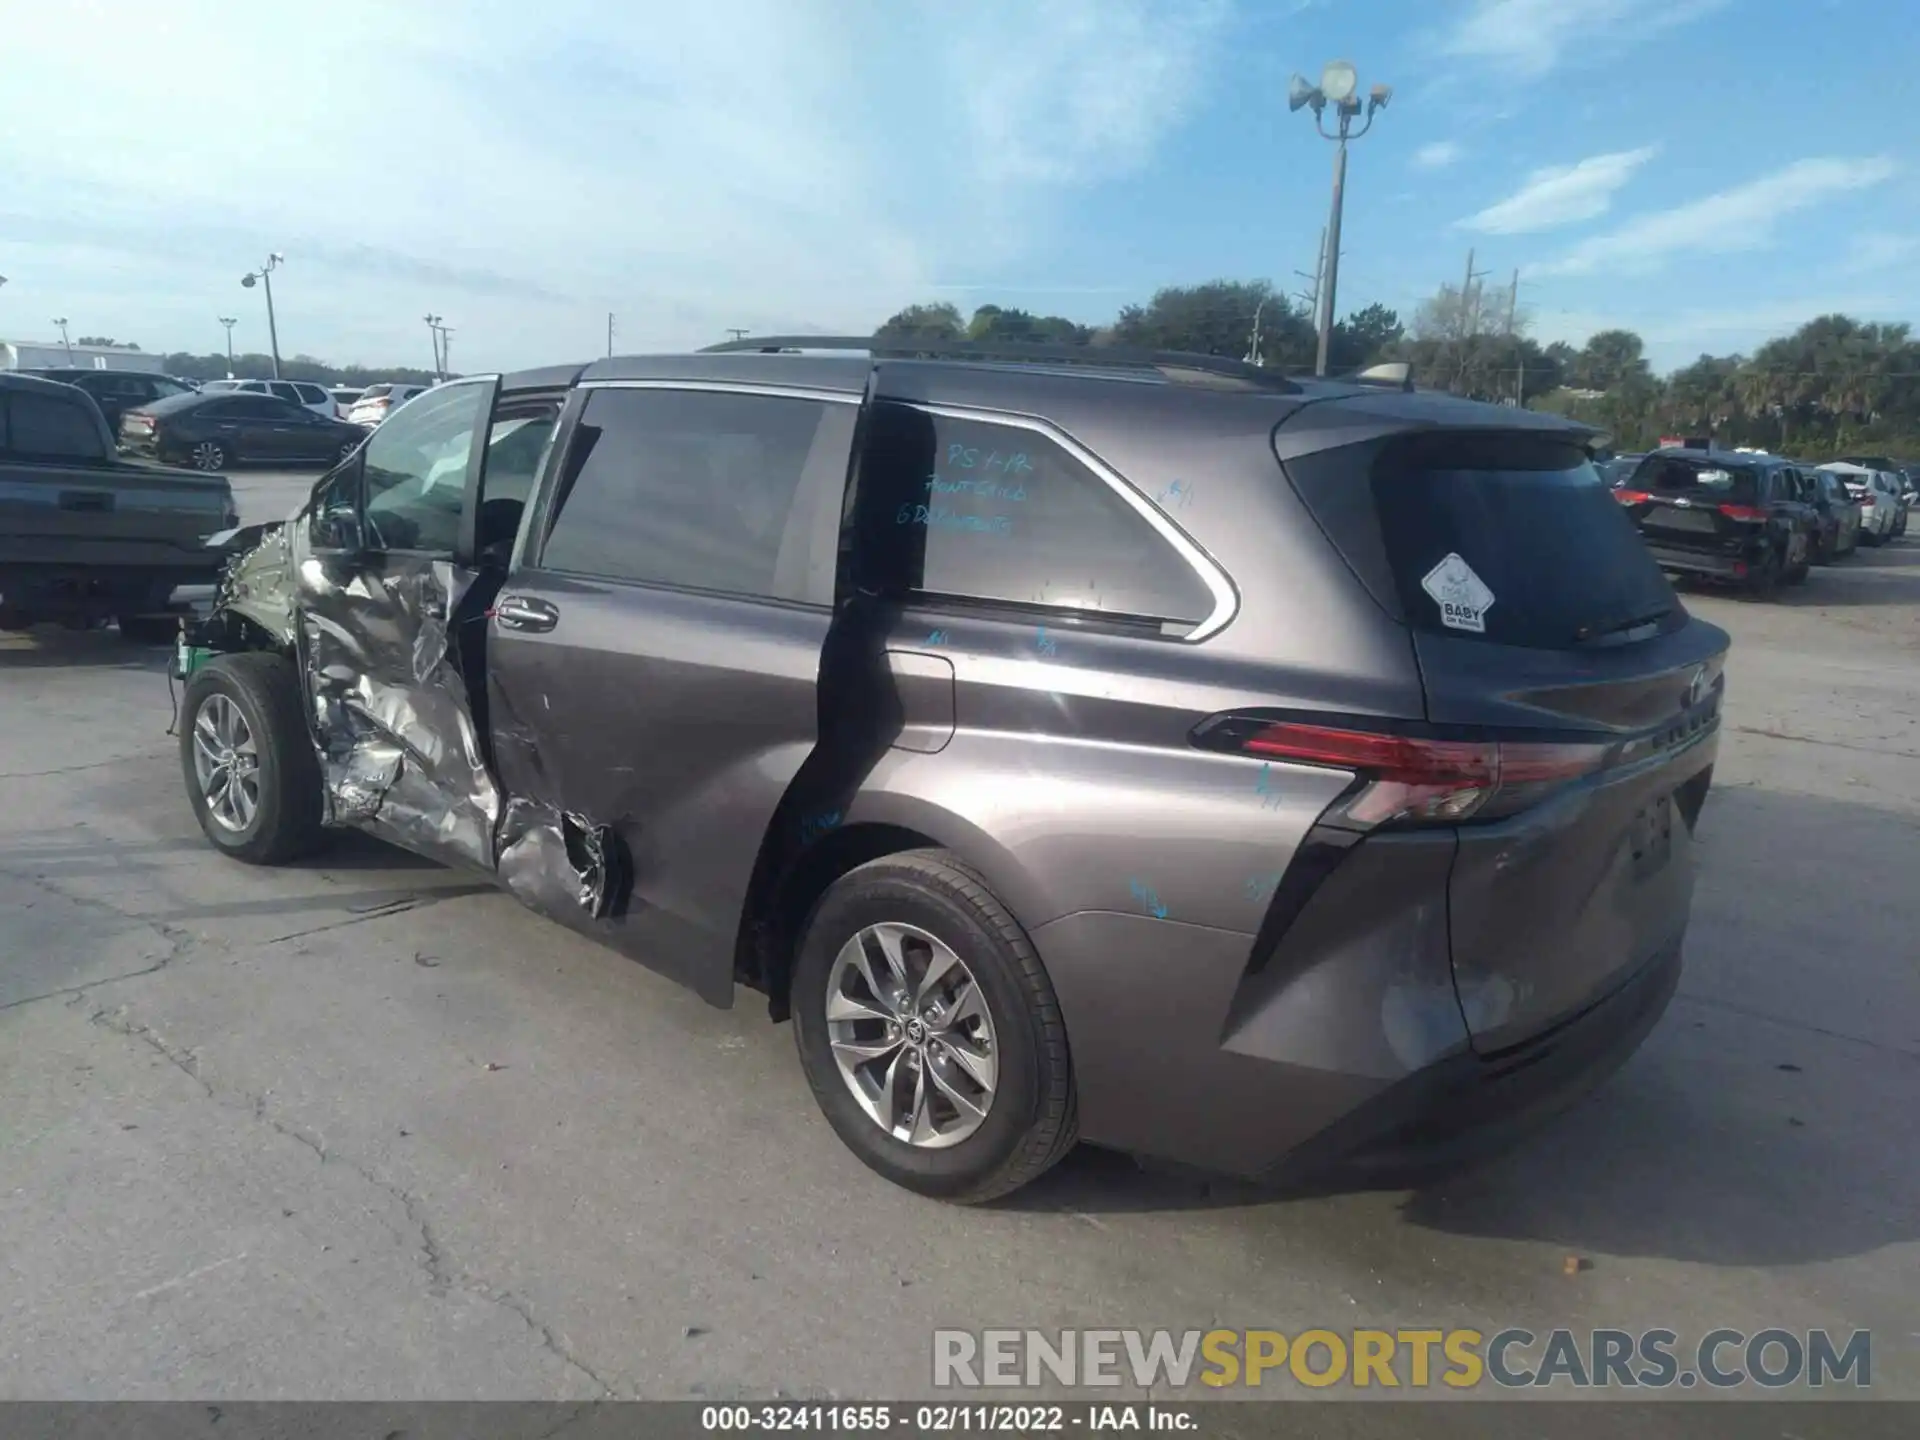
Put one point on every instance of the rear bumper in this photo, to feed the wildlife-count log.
(1717, 565)
(1470, 1105)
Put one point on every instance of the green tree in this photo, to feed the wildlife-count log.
(938, 321)
(1216, 318)
(1609, 358)
(1364, 338)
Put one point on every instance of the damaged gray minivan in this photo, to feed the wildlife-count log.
(1273, 776)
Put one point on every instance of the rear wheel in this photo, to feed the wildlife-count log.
(249, 765)
(209, 455)
(929, 1031)
(1763, 580)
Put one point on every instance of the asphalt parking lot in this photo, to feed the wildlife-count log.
(367, 1129)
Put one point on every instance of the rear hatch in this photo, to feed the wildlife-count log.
(1572, 711)
(1703, 505)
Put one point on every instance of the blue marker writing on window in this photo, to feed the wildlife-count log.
(938, 517)
(1148, 897)
(937, 637)
(1044, 642)
(989, 489)
(1263, 787)
(1176, 496)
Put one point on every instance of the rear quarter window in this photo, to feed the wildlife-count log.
(979, 510)
(1710, 479)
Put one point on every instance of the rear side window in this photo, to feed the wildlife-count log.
(43, 427)
(1531, 520)
(978, 510)
(684, 488)
(375, 392)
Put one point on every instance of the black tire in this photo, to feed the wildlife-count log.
(1869, 539)
(286, 823)
(148, 629)
(209, 455)
(1798, 574)
(1763, 581)
(1034, 1118)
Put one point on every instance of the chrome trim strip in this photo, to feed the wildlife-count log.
(1226, 600)
(729, 387)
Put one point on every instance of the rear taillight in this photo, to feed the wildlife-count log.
(1632, 497)
(1743, 512)
(1412, 780)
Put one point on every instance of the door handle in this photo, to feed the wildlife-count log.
(517, 612)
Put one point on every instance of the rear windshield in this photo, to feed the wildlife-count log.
(376, 392)
(1512, 540)
(1685, 475)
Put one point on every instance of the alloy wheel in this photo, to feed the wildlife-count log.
(911, 1035)
(208, 455)
(226, 763)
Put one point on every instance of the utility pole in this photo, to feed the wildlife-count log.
(62, 323)
(1311, 298)
(264, 276)
(433, 334)
(446, 351)
(737, 334)
(609, 334)
(229, 321)
(1469, 317)
(1519, 351)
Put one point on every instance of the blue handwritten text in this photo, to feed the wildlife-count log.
(1261, 887)
(938, 517)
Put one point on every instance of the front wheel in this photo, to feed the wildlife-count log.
(209, 455)
(929, 1030)
(252, 777)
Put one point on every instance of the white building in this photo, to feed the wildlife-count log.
(51, 354)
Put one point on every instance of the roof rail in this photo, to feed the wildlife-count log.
(1168, 362)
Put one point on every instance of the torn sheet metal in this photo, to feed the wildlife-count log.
(563, 864)
(399, 749)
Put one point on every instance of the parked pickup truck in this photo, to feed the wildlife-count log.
(86, 536)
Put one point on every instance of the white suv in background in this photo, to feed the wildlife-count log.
(379, 401)
(1877, 492)
(304, 393)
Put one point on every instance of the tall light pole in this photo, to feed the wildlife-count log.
(229, 321)
(62, 323)
(433, 333)
(1339, 87)
(264, 275)
(446, 351)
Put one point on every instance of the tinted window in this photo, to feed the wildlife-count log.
(978, 510)
(375, 392)
(514, 448)
(681, 488)
(313, 395)
(1533, 521)
(416, 472)
(1717, 480)
(47, 427)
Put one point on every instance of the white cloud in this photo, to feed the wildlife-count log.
(1527, 39)
(1562, 194)
(761, 163)
(1742, 218)
(1438, 155)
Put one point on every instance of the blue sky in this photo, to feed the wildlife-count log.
(1709, 172)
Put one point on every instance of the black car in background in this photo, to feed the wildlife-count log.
(211, 430)
(1732, 516)
(117, 391)
(1836, 514)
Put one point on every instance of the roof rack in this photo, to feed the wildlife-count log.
(1111, 357)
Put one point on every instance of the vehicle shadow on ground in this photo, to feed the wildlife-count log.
(50, 647)
(1766, 1122)
(1888, 575)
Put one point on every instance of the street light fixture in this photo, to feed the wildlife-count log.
(264, 275)
(62, 323)
(1339, 87)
